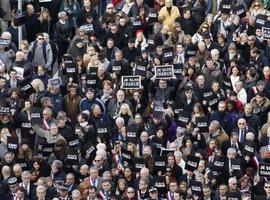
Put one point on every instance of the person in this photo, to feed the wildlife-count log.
(40, 52)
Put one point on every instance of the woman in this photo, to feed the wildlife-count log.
(25, 151)
(198, 37)
(59, 152)
(159, 138)
(15, 101)
(130, 195)
(81, 69)
(209, 19)
(198, 12)
(77, 49)
(63, 34)
(121, 188)
(24, 119)
(126, 114)
(187, 147)
(109, 15)
(137, 102)
(72, 7)
(4, 134)
(89, 55)
(128, 176)
(235, 76)
(39, 88)
(128, 5)
(44, 23)
(233, 112)
(71, 103)
(257, 8)
(198, 111)
(24, 48)
(222, 45)
(42, 75)
(212, 146)
(107, 93)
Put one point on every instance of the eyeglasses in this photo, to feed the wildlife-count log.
(40, 38)
(109, 8)
(266, 187)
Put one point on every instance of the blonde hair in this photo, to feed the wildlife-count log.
(41, 18)
(38, 85)
(126, 106)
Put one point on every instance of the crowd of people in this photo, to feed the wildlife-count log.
(195, 127)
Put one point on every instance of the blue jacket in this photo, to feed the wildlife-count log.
(86, 104)
(224, 119)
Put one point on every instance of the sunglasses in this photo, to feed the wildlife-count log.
(110, 8)
(266, 187)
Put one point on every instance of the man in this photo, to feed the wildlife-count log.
(207, 193)
(211, 71)
(57, 172)
(94, 179)
(27, 185)
(63, 193)
(30, 22)
(119, 65)
(93, 193)
(119, 40)
(110, 49)
(223, 117)
(41, 193)
(153, 193)
(3, 89)
(145, 175)
(114, 104)
(130, 52)
(168, 14)
(105, 191)
(142, 189)
(242, 129)
(52, 135)
(13, 82)
(202, 54)
(241, 92)
(221, 193)
(217, 132)
(41, 53)
(252, 120)
(23, 65)
(258, 58)
(13, 186)
(233, 142)
(86, 9)
(162, 92)
(187, 100)
(90, 99)
(17, 171)
(232, 182)
(143, 142)
(56, 97)
(70, 182)
(267, 192)
(173, 187)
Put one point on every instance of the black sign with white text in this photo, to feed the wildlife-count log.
(164, 72)
(131, 82)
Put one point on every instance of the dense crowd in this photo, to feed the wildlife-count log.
(135, 100)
